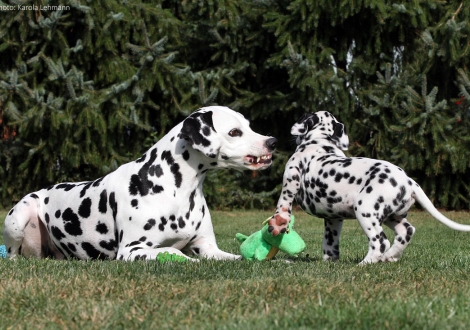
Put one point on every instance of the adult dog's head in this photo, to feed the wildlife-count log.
(320, 125)
(224, 136)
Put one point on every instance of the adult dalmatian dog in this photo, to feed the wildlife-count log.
(152, 205)
(326, 183)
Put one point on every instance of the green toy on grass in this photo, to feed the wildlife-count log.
(261, 245)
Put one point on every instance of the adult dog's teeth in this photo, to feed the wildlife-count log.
(257, 159)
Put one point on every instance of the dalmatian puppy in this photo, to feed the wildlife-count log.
(327, 184)
(152, 205)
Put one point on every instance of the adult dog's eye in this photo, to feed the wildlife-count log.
(235, 132)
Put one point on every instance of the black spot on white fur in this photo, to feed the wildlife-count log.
(72, 223)
(140, 183)
(150, 224)
(85, 208)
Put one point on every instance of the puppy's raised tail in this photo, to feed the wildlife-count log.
(426, 203)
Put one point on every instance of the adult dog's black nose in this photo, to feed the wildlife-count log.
(271, 143)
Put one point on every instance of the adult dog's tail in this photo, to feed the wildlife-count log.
(426, 203)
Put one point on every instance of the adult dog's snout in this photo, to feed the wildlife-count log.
(270, 143)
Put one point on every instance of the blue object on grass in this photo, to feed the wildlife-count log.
(3, 251)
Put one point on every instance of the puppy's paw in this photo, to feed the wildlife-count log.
(277, 225)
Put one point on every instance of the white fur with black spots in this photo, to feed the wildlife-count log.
(327, 184)
(152, 205)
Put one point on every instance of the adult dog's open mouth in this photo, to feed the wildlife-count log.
(259, 160)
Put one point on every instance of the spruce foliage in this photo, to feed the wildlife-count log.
(76, 85)
(88, 88)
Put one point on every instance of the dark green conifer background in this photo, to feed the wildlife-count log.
(88, 88)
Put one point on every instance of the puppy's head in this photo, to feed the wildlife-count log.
(320, 125)
(225, 136)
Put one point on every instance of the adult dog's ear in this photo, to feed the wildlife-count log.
(339, 136)
(198, 129)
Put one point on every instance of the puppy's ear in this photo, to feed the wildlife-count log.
(312, 121)
(339, 136)
(304, 124)
(198, 129)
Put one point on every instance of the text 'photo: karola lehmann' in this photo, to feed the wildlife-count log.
(33, 7)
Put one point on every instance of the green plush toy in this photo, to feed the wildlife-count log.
(261, 245)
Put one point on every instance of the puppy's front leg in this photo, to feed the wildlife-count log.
(291, 184)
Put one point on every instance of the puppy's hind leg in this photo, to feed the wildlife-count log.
(403, 233)
(378, 241)
(331, 239)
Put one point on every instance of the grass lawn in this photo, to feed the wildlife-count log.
(427, 289)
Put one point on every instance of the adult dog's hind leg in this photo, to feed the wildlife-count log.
(32, 242)
(25, 234)
(37, 242)
(22, 221)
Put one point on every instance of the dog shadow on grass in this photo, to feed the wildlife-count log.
(299, 259)
(306, 258)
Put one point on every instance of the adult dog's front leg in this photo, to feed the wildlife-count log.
(146, 253)
(208, 249)
(291, 185)
(204, 244)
